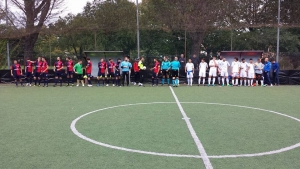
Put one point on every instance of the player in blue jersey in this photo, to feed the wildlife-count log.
(165, 70)
(126, 67)
(175, 65)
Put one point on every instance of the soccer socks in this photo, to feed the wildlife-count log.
(199, 81)
(16, 83)
(163, 81)
(262, 82)
(177, 82)
(103, 80)
(227, 80)
(156, 81)
(173, 82)
(152, 81)
(232, 81)
(56, 80)
(188, 80)
(223, 80)
(168, 81)
(191, 81)
(203, 81)
(209, 79)
(98, 82)
(236, 81)
(251, 82)
(214, 80)
(219, 80)
(245, 82)
(60, 82)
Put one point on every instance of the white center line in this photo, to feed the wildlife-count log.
(200, 147)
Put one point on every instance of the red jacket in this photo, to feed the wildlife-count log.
(136, 66)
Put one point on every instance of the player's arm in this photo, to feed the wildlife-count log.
(46, 69)
(74, 69)
(158, 69)
(21, 70)
(11, 71)
(193, 69)
(185, 68)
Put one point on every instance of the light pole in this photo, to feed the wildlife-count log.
(278, 32)
(7, 45)
(138, 28)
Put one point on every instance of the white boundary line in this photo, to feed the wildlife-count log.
(199, 145)
(77, 133)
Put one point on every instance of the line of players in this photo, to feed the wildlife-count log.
(247, 72)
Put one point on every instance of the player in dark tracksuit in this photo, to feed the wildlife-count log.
(16, 72)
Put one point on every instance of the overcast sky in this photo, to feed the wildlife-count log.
(76, 7)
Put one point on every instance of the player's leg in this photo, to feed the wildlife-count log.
(168, 77)
(214, 77)
(127, 78)
(112, 76)
(60, 78)
(30, 78)
(191, 77)
(219, 78)
(163, 77)
(123, 78)
(233, 77)
(177, 78)
(152, 78)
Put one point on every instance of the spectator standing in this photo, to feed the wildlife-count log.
(182, 62)
(267, 69)
(275, 68)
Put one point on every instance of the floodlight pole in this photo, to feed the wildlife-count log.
(7, 44)
(138, 28)
(278, 32)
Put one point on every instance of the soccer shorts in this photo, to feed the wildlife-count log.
(154, 75)
(69, 73)
(101, 74)
(174, 73)
(235, 74)
(251, 75)
(189, 74)
(16, 77)
(79, 76)
(165, 73)
(44, 75)
(37, 74)
(258, 76)
(28, 74)
(224, 74)
(111, 75)
(212, 73)
(202, 74)
(89, 75)
(243, 74)
(117, 73)
(58, 73)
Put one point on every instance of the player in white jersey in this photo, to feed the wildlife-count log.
(250, 70)
(219, 71)
(243, 72)
(202, 72)
(223, 67)
(213, 64)
(258, 69)
(189, 70)
(235, 71)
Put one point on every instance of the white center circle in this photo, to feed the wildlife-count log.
(77, 133)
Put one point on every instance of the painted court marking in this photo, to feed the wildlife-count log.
(77, 133)
(197, 141)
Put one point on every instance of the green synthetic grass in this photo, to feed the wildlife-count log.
(35, 127)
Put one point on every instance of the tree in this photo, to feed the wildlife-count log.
(33, 15)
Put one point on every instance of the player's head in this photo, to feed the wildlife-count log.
(224, 59)
(39, 58)
(58, 58)
(258, 60)
(15, 61)
(110, 60)
(273, 60)
(88, 59)
(194, 55)
(250, 60)
(221, 57)
(214, 57)
(28, 59)
(80, 61)
(119, 60)
(165, 58)
(67, 58)
(243, 60)
(126, 58)
(101, 60)
(190, 60)
(202, 60)
(236, 59)
(142, 59)
(182, 55)
(176, 58)
(43, 59)
(266, 59)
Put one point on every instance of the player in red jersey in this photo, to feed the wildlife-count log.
(89, 67)
(44, 72)
(136, 71)
(29, 71)
(58, 70)
(37, 71)
(69, 71)
(111, 72)
(102, 65)
(16, 72)
(156, 70)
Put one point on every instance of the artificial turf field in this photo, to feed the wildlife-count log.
(36, 130)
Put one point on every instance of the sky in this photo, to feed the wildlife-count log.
(76, 6)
